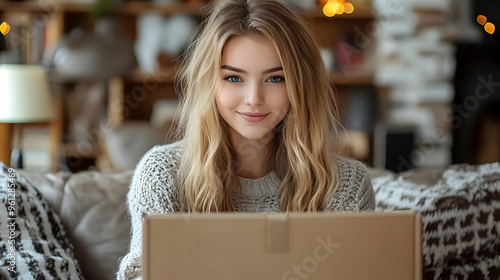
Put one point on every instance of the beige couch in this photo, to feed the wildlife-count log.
(92, 208)
(461, 201)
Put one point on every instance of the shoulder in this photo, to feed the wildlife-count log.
(154, 177)
(162, 157)
(351, 171)
(354, 191)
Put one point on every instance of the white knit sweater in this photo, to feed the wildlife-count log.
(152, 192)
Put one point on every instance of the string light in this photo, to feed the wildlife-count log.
(488, 26)
(330, 9)
(337, 7)
(327, 12)
(340, 9)
(481, 19)
(349, 8)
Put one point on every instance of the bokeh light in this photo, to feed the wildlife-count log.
(489, 27)
(330, 8)
(340, 9)
(481, 19)
(349, 8)
(337, 7)
(327, 12)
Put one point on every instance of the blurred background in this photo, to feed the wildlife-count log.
(418, 80)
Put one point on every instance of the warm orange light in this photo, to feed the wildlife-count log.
(327, 12)
(331, 7)
(349, 8)
(340, 9)
(489, 27)
(481, 19)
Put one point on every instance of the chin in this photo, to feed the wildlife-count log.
(255, 135)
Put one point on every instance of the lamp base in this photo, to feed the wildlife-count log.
(16, 158)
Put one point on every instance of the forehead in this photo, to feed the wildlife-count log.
(250, 52)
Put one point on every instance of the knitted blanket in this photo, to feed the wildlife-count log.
(33, 242)
(460, 210)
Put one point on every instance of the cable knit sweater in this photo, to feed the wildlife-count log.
(152, 192)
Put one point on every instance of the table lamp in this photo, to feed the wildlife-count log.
(24, 98)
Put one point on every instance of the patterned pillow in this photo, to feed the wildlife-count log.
(460, 210)
(33, 242)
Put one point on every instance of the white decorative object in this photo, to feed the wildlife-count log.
(175, 34)
(156, 34)
(147, 45)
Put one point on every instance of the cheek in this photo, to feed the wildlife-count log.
(226, 100)
(282, 102)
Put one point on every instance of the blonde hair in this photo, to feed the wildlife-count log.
(306, 140)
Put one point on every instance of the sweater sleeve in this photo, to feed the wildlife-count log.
(151, 192)
(355, 190)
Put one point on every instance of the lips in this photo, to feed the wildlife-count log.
(253, 117)
(254, 114)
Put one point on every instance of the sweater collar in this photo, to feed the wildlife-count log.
(263, 186)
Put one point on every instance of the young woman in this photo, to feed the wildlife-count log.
(258, 129)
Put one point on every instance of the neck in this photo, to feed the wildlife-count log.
(252, 155)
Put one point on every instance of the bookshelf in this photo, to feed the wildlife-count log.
(132, 7)
(59, 19)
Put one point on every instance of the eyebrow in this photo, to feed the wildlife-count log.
(271, 70)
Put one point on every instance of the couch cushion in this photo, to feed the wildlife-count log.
(134, 137)
(50, 185)
(33, 241)
(93, 209)
(460, 210)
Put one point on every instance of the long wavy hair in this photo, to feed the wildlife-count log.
(305, 141)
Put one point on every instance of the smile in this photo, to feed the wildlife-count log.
(253, 117)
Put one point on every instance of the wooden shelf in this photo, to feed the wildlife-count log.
(27, 7)
(120, 8)
(139, 7)
(164, 76)
(142, 7)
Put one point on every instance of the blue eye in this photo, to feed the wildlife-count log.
(276, 79)
(232, 79)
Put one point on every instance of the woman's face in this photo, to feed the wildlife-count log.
(251, 94)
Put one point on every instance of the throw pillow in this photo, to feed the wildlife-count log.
(460, 210)
(94, 211)
(33, 242)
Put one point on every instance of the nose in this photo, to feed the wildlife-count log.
(254, 95)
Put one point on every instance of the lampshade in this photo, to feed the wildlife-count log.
(24, 94)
